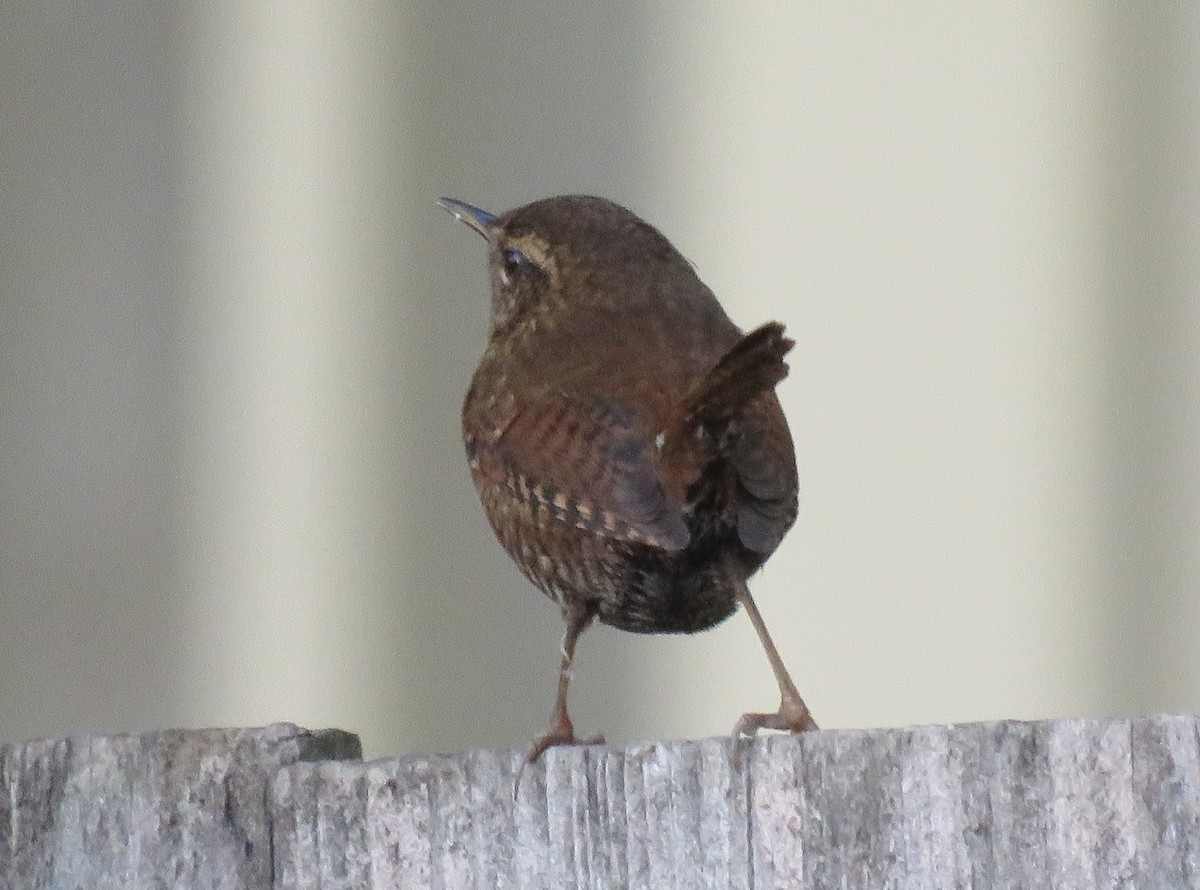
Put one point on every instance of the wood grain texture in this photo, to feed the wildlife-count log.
(1065, 803)
(175, 808)
(1070, 803)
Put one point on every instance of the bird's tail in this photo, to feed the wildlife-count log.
(752, 366)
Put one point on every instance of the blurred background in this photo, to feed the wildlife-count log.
(235, 332)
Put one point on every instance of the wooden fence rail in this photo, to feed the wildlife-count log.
(1066, 803)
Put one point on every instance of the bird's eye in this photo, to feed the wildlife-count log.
(513, 260)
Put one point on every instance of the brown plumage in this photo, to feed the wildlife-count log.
(624, 434)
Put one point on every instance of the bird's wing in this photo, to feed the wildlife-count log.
(586, 461)
(764, 460)
(736, 404)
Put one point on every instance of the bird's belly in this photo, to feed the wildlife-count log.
(633, 587)
(669, 593)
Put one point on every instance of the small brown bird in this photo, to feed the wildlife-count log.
(624, 435)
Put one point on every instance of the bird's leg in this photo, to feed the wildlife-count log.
(793, 713)
(576, 616)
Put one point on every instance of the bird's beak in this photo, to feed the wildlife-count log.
(479, 220)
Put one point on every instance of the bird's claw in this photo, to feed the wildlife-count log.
(561, 733)
(793, 716)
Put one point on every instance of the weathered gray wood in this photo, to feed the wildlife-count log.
(164, 809)
(1068, 803)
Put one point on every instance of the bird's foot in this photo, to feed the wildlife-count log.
(561, 732)
(748, 725)
(793, 716)
(555, 737)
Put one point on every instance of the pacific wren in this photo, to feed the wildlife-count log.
(624, 435)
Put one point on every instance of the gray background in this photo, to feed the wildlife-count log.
(235, 332)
